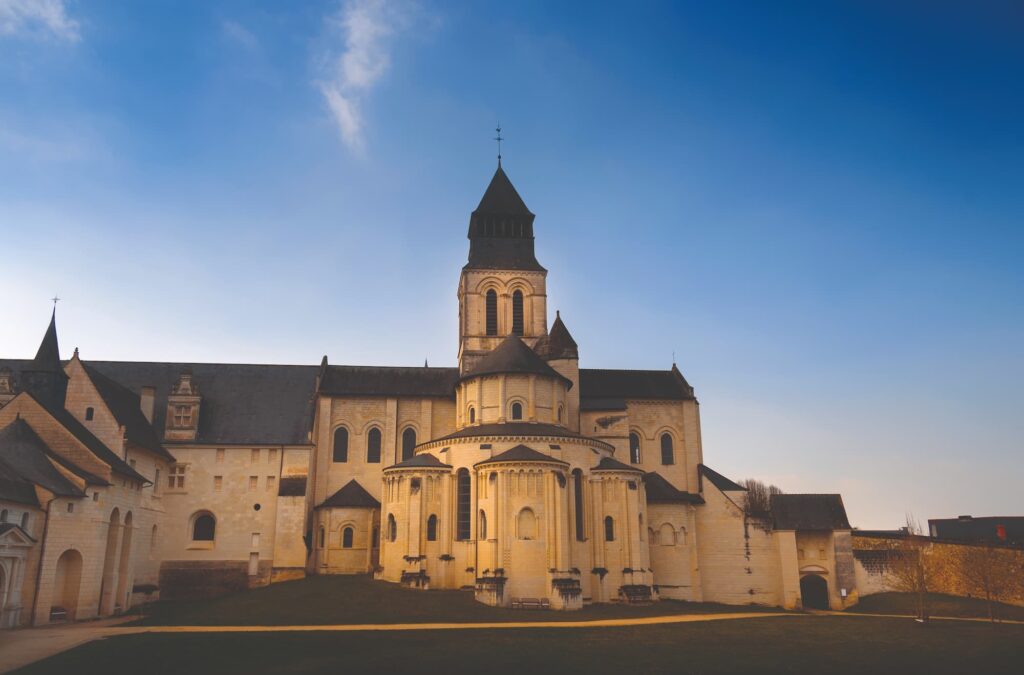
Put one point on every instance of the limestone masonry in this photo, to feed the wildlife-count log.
(518, 475)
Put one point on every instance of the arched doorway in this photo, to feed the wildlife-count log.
(65, 585)
(814, 591)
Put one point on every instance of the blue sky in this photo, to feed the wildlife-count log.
(817, 208)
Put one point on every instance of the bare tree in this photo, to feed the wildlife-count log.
(988, 571)
(759, 494)
(911, 566)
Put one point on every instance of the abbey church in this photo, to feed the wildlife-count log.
(517, 476)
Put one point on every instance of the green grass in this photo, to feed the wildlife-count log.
(323, 600)
(789, 644)
(939, 605)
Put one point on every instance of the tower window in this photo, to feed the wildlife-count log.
(89, 412)
(432, 528)
(472, 415)
(373, 443)
(517, 313)
(462, 504)
(634, 448)
(492, 312)
(408, 443)
(340, 445)
(609, 529)
(517, 411)
(667, 452)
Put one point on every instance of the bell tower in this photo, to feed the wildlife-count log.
(502, 290)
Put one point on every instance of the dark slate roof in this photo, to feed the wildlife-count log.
(352, 496)
(24, 462)
(610, 464)
(512, 429)
(95, 446)
(124, 405)
(242, 404)
(718, 480)
(513, 356)
(660, 491)
(984, 528)
(558, 343)
(808, 512)
(501, 229)
(292, 486)
(422, 460)
(389, 381)
(520, 453)
(634, 384)
(48, 356)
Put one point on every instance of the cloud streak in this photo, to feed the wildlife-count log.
(364, 30)
(36, 17)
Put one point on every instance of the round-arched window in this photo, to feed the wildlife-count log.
(472, 415)
(392, 528)
(346, 537)
(517, 411)
(408, 443)
(204, 527)
(634, 448)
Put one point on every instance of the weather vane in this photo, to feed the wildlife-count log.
(499, 139)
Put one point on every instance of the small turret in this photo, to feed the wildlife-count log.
(45, 378)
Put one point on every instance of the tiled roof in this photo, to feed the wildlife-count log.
(520, 453)
(634, 384)
(124, 405)
(24, 462)
(611, 464)
(389, 381)
(660, 491)
(511, 429)
(558, 343)
(352, 496)
(422, 460)
(718, 480)
(501, 229)
(512, 356)
(808, 512)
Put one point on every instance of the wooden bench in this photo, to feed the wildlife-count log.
(531, 603)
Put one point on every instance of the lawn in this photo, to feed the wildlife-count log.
(787, 644)
(939, 605)
(323, 600)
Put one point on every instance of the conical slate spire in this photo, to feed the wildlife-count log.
(558, 343)
(48, 357)
(501, 229)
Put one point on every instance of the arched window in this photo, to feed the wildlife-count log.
(373, 442)
(609, 528)
(526, 524)
(634, 448)
(667, 535)
(24, 521)
(432, 528)
(561, 409)
(472, 415)
(667, 453)
(340, 444)
(408, 443)
(321, 536)
(346, 538)
(492, 312)
(577, 489)
(462, 504)
(517, 411)
(204, 527)
(482, 535)
(517, 313)
(392, 527)
(89, 412)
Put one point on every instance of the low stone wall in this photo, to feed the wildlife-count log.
(207, 579)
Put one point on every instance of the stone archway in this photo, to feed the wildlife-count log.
(66, 583)
(109, 579)
(124, 566)
(814, 591)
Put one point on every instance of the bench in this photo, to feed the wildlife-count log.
(531, 603)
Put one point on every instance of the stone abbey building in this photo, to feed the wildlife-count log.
(517, 475)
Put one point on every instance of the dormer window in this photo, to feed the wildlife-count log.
(182, 416)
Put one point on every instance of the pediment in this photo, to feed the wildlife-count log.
(16, 537)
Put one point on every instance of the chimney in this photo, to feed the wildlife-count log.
(146, 400)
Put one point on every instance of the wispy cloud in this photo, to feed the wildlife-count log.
(363, 31)
(37, 17)
(239, 34)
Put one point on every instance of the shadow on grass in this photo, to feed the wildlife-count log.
(939, 605)
(324, 600)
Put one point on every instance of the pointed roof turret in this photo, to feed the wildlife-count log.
(48, 357)
(558, 343)
(501, 229)
(513, 356)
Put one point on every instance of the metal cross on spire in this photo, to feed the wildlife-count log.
(499, 139)
(55, 300)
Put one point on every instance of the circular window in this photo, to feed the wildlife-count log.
(256, 507)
